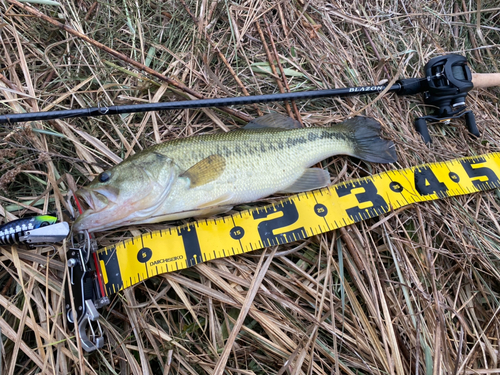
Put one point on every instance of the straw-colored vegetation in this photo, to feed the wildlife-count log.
(416, 291)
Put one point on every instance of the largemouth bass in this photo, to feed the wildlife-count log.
(209, 174)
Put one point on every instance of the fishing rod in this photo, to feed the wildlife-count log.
(447, 81)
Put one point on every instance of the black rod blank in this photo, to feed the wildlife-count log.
(187, 104)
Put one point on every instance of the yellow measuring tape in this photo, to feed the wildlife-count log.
(297, 217)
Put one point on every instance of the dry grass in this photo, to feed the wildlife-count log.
(417, 294)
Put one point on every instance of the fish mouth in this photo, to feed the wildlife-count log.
(84, 202)
(106, 208)
(93, 206)
(91, 200)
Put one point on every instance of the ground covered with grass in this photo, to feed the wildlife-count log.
(415, 291)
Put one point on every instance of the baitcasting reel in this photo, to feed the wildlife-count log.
(448, 80)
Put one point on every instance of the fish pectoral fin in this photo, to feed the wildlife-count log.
(273, 120)
(312, 178)
(205, 171)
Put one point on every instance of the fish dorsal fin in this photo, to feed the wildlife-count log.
(312, 178)
(205, 171)
(273, 120)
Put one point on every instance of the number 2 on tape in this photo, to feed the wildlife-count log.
(266, 228)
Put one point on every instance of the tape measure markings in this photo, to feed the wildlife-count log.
(296, 217)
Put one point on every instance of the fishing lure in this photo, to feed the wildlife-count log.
(31, 230)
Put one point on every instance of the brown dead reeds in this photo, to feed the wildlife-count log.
(415, 292)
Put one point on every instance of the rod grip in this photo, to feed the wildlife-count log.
(483, 80)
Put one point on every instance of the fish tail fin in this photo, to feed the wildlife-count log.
(367, 143)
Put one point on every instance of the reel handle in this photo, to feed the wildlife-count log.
(470, 122)
(421, 128)
(484, 80)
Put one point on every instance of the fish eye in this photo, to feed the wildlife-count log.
(104, 176)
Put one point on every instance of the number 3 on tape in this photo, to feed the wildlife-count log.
(297, 217)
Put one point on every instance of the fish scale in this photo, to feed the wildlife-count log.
(273, 169)
(280, 153)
